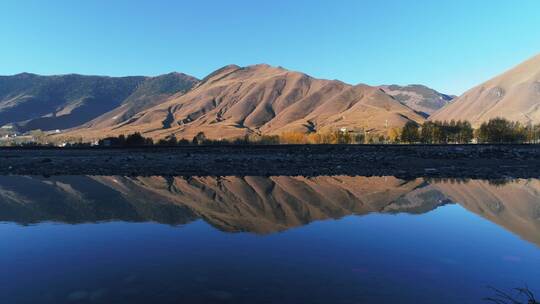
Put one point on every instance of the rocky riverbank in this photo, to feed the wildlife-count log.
(406, 161)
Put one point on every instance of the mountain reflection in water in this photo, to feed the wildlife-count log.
(261, 204)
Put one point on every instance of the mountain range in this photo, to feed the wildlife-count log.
(260, 99)
(230, 102)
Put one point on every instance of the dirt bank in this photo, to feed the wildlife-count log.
(407, 161)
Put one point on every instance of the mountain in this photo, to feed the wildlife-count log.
(418, 97)
(260, 99)
(514, 95)
(30, 101)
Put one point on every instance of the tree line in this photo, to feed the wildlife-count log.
(496, 130)
(138, 140)
(333, 137)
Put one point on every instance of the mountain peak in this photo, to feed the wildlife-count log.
(221, 72)
(25, 75)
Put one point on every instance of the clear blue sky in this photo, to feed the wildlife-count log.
(449, 45)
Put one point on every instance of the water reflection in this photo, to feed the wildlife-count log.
(261, 204)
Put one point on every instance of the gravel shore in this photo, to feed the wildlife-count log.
(406, 161)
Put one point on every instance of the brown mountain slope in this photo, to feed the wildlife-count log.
(261, 99)
(514, 95)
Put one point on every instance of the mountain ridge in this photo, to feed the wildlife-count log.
(30, 101)
(230, 102)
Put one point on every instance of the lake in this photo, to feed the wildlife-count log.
(328, 239)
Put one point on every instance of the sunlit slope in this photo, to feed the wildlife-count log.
(514, 95)
(261, 99)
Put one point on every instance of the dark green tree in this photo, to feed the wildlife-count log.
(410, 133)
(500, 130)
(169, 141)
(136, 139)
(199, 139)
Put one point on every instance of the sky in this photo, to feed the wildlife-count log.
(450, 45)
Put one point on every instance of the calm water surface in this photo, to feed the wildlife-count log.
(87, 239)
